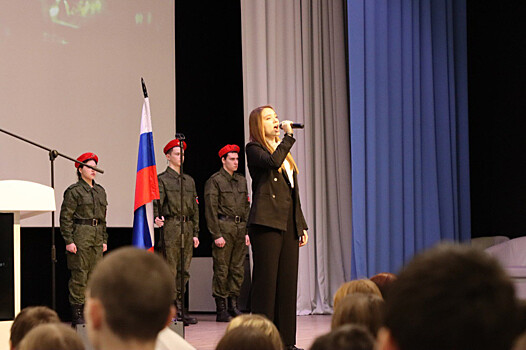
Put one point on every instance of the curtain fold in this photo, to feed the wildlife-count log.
(409, 135)
(294, 59)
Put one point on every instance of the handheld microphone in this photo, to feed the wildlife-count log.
(293, 125)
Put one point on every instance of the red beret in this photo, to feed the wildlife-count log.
(85, 157)
(227, 149)
(172, 144)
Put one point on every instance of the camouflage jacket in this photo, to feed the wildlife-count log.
(170, 198)
(226, 195)
(81, 201)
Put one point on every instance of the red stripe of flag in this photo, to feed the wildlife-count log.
(146, 186)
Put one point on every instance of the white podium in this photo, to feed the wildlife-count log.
(18, 201)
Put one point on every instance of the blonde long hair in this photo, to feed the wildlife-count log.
(257, 134)
(258, 322)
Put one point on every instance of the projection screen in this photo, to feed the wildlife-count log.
(70, 79)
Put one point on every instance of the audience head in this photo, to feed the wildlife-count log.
(129, 297)
(245, 337)
(359, 308)
(450, 297)
(51, 336)
(29, 318)
(259, 322)
(357, 286)
(520, 343)
(346, 337)
(383, 280)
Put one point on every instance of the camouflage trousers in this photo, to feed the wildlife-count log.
(173, 254)
(81, 266)
(229, 269)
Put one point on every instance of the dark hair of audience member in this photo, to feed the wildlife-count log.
(383, 280)
(51, 336)
(452, 297)
(520, 343)
(356, 286)
(132, 281)
(346, 337)
(246, 338)
(522, 314)
(259, 322)
(29, 318)
(359, 308)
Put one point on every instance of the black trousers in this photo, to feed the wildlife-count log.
(275, 276)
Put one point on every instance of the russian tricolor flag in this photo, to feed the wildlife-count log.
(146, 184)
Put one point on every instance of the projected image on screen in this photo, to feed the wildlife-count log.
(72, 13)
(70, 80)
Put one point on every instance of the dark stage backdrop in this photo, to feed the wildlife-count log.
(209, 90)
(36, 266)
(497, 104)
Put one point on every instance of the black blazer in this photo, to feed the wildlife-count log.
(270, 189)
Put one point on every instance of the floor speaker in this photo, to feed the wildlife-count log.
(82, 331)
(177, 327)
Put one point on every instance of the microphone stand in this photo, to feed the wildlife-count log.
(53, 154)
(181, 138)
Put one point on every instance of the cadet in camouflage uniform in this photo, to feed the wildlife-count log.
(170, 218)
(226, 209)
(83, 226)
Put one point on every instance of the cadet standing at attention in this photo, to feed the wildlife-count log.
(172, 217)
(83, 226)
(226, 210)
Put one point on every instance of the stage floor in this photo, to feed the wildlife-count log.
(206, 334)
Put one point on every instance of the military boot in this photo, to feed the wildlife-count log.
(187, 319)
(222, 313)
(233, 310)
(77, 314)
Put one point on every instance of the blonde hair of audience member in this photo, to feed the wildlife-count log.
(383, 281)
(29, 318)
(129, 300)
(359, 308)
(357, 286)
(246, 337)
(346, 337)
(259, 322)
(51, 336)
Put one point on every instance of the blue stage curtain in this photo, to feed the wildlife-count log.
(409, 129)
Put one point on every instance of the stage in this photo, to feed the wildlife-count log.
(206, 334)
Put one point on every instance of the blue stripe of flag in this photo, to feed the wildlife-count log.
(141, 232)
(146, 152)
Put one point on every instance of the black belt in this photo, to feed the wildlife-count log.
(89, 222)
(236, 219)
(183, 218)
